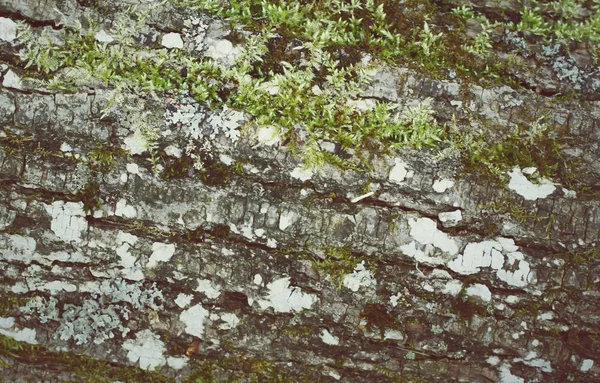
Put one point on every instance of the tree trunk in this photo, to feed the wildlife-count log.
(145, 236)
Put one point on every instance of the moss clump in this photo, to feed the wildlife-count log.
(82, 59)
(9, 304)
(104, 157)
(90, 196)
(336, 262)
(301, 72)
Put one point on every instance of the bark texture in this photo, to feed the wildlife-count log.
(260, 270)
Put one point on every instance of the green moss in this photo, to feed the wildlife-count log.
(518, 212)
(297, 332)
(311, 53)
(235, 368)
(10, 303)
(90, 196)
(337, 262)
(490, 155)
(82, 58)
(177, 168)
(214, 173)
(104, 157)
(529, 309)
(12, 143)
(84, 368)
(579, 258)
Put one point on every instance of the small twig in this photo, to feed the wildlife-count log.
(355, 200)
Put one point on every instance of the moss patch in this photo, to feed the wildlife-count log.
(84, 368)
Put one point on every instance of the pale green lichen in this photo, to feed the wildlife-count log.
(101, 316)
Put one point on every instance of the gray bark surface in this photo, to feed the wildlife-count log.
(226, 272)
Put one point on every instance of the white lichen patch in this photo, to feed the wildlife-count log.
(268, 135)
(17, 247)
(586, 365)
(8, 328)
(68, 220)
(500, 255)
(209, 289)
(329, 339)
(481, 291)
(450, 216)
(425, 231)
(285, 299)
(286, 219)
(393, 334)
(440, 186)
(302, 174)
(131, 268)
(506, 375)
(147, 349)
(133, 168)
(12, 80)
(230, 321)
(360, 277)
(66, 148)
(102, 37)
(172, 40)
(183, 300)
(518, 275)
(97, 318)
(8, 30)
(529, 171)
(176, 363)
(136, 143)
(532, 360)
(548, 315)
(173, 151)
(272, 243)
(226, 121)
(569, 193)
(394, 299)
(122, 209)
(224, 158)
(399, 172)
(222, 51)
(527, 189)
(194, 319)
(453, 287)
(55, 287)
(246, 230)
(477, 255)
(161, 252)
(424, 256)
(493, 360)
(189, 114)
